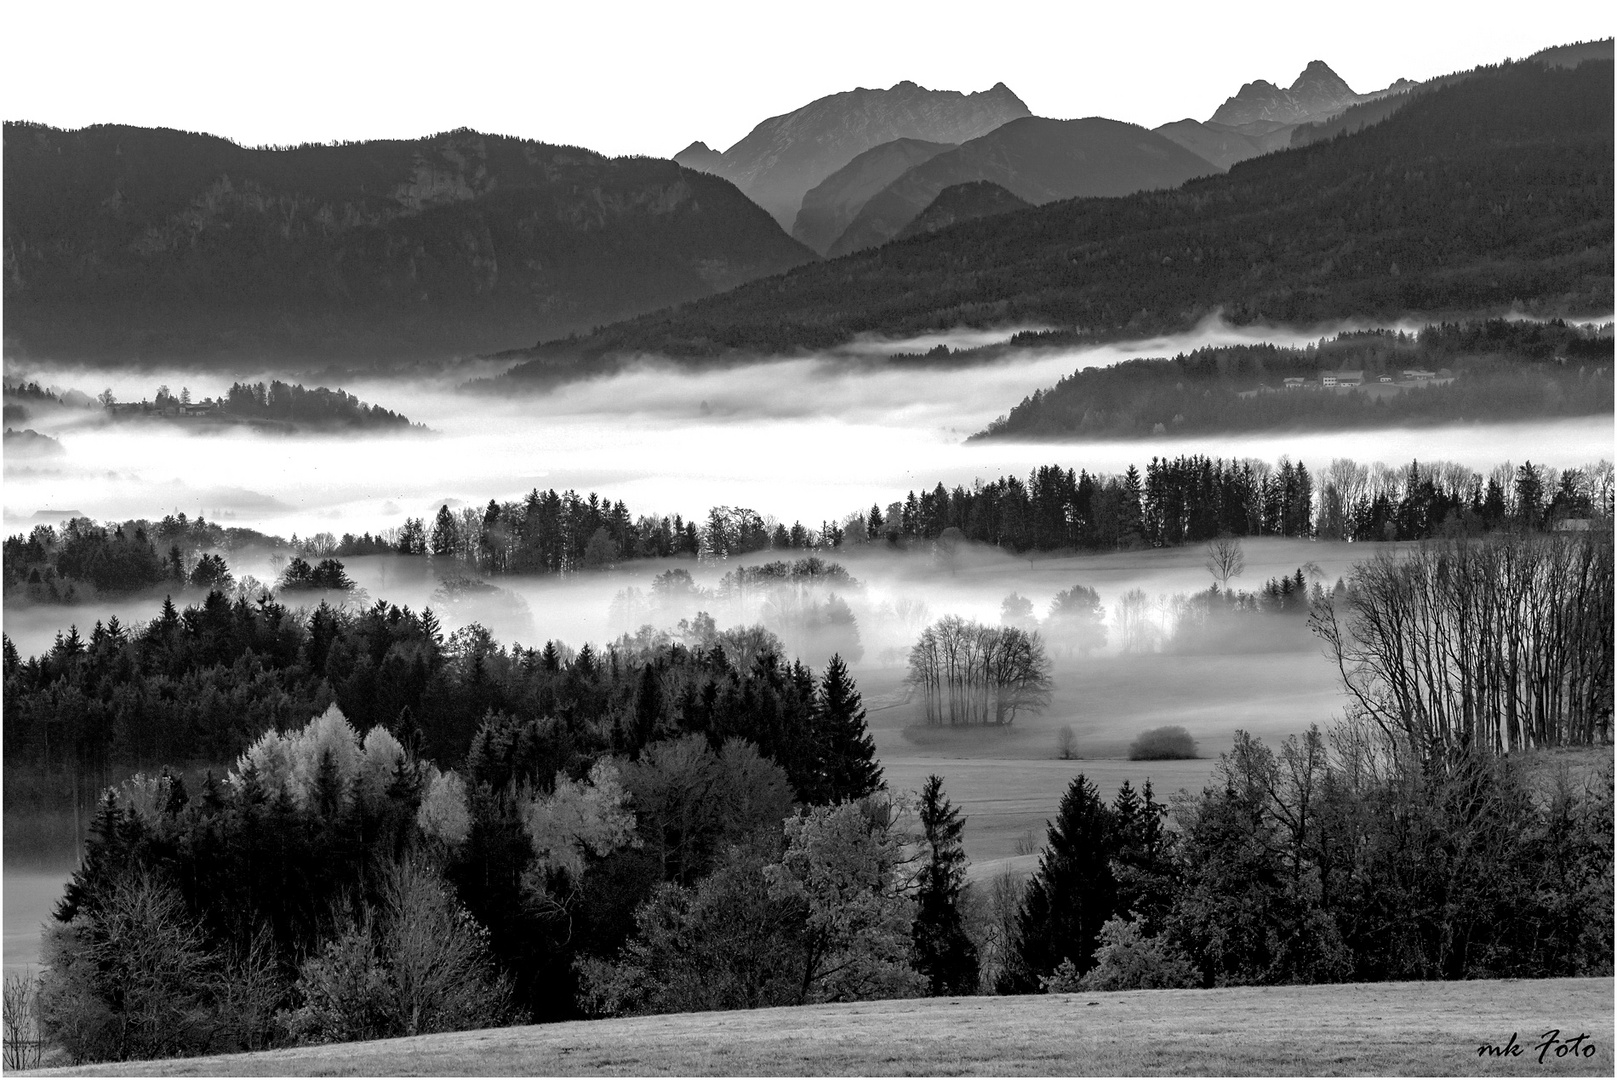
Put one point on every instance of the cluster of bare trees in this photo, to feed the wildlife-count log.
(1499, 643)
(968, 673)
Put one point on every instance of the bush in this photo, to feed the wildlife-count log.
(1128, 960)
(21, 1021)
(130, 980)
(1163, 744)
(422, 966)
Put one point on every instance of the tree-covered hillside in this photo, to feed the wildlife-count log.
(128, 241)
(1490, 193)
(1495, 370)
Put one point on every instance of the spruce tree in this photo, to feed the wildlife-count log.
(848, 753)
(942, 951)
(1069, 898)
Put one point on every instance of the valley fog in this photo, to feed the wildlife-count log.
(810, 440)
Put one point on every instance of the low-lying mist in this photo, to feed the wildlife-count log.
(805, 439)
(895, 594)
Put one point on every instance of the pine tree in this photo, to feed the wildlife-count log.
(648, 707)
(942, 951)
(1142, 860)
(442, 541)
(873, 524)
(848, 753)
(1070, 897)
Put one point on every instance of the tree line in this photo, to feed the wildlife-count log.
(1340, 858)
(1188, 499)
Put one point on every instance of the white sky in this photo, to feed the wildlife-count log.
(649, 77)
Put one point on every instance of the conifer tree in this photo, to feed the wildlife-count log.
(1142, 860)
(1070, 897)
(849, 761)
(942, 951)
(648, 707)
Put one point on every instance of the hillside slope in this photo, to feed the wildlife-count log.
(125, 242)
(784, 156)
(1036, 159)
(1429, 1028)
(832, 204)
(1491, 193)
(963, 202)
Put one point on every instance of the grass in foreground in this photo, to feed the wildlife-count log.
(1386, 1028)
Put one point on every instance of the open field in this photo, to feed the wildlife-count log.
(1428, 1029)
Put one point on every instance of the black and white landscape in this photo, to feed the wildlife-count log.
(844, 602)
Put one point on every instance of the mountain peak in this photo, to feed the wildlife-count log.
(1317, 93)
(1318, 74)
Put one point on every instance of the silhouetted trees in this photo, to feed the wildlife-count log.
(1503, 642)
(967, 673)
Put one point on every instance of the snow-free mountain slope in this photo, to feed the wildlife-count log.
(126, 242)
(831, 205)
(963, 202)
(1038, 160)
(784, 156)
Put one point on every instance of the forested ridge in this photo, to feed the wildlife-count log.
(1490, 193)
(1472, 372)
(152, 243)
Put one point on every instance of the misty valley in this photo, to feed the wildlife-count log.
(925, 550)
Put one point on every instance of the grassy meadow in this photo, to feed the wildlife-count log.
(1424, 1029)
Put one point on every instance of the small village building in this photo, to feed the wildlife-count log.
(1295, 383)
(1343, 378)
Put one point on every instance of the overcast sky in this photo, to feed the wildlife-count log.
(648, 78)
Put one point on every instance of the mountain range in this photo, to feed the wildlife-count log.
(130, 243)
(1482, 193)
(872, 195)
(1262, 118)
(1037, 160)
(784, 156)
(146, 244)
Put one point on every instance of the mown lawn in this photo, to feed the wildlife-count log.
(1389, 1028)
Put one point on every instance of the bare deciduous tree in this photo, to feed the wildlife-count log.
(1500, 643)
(968, 673)
(1225, 559)
(1066, 743)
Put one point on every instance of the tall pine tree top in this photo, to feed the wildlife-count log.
(1072, 894)
(942, 951)
(849, 754)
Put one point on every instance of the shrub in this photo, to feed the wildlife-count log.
(1163, 744)
(1128, 960)
(129, 980)
(21, 1024)
(422, 966)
